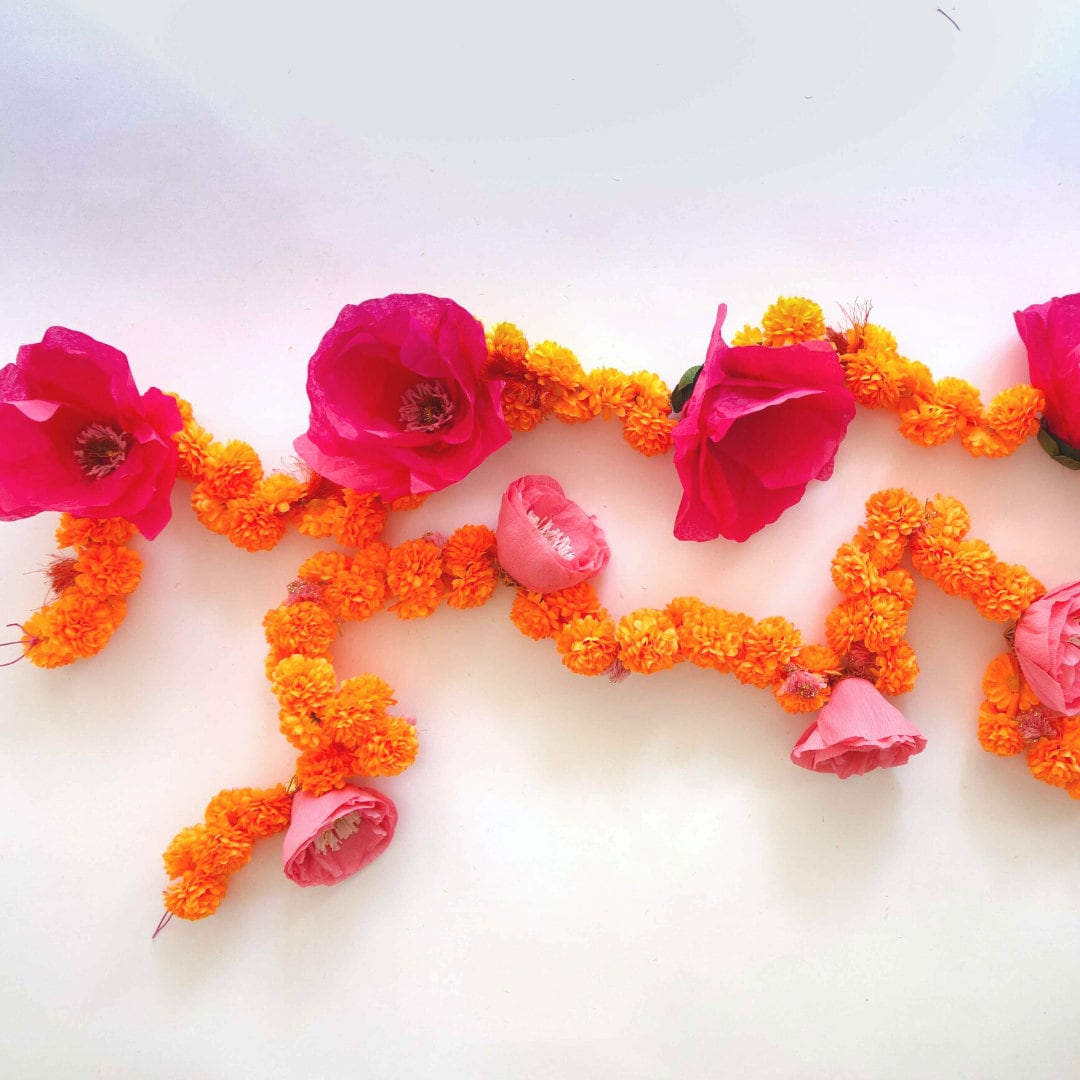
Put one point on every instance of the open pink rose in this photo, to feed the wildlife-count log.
(761, 424)
(398, 404)
(545, 541)
(857, 731)
(332, 836)
(1047, 644)
(1051, 332)
(76, 435)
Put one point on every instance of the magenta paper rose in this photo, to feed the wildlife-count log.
(332, 836)
(1047, 644)
(76, 435)
(398, 404)
(546, 542)
(1051, 332)
(857, 731)
(761, 424)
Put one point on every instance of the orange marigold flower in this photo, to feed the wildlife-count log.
(507, 348)
(87, 622)
(108, 571)
(80, 533)
(414, 574)
(874, 378)
(1009, 592)
(846, 624)
(611, 391)
(304, 627)
(885, 551)
(900, 584)
(390, 750)
(325, 768)
(982, 442)
(192, 444)
(319, 518)
(853, 571)
(362, 519)
(647, 641)
(647, 432)
(410, 502)
(1005, 687)
(303, 729)
(574, 406)
(683, 607)
(965, 568)
(998, 732)
(1014, 414)
(1054, 761)
(959, 398)
(280, 491)
(897, 669)
(179, 857)
(357, 591)
(303, 684)
(213, 513)
(550, 361)
(711, 637)
(946, 517)
(927, 422)
(321, 568)
(893, 512)
(886, 621)
(254, 525)
(196, 895)
(43, 643)
(748, 335)
(258, 813)
(817, 658)
(521, 404)
(793, 319)
(232, 469)
(469, 561)
(531, 616)
(928, 552)
(587, 645)
(573, 602)
(768, 645)
(799, 691)
(358, 708)
(649, 393)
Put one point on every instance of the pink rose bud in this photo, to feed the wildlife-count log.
(1046, 643)
(332, 836)
(545, 541)
(857, 731)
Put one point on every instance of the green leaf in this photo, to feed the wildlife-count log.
(685, 389)
(1058, 449)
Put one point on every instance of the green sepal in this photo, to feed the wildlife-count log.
(1059, 450)
(685, 389)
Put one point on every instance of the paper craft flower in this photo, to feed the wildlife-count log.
(545, 541)
(76, 435)
(1051, 332)
(332, 836)
(761, 424)
(398, 404)
(1047, 644)
(857, 731)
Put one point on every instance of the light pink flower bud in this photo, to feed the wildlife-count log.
(1047, 644)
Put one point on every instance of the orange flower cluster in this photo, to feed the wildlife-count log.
(91, 590)
(931, 411)
(547, 380)
(968, 568)
(201, 857)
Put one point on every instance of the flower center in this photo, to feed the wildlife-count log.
(552, 534)
(426, 407)
(342, 829)
(100, 449)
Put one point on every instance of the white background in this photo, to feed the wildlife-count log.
(588, 880)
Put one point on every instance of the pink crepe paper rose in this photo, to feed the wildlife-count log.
(1047, 644)
(1051, 333)
(761, 424)
(546, 542)
(398, 402)
(332, 836)
(77, 436)
(855, 732)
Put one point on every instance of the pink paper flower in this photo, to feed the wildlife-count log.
(1051, 332)
(398, 404)
(761, 424)
(332, 836)
(545, 541)
(855, 732)
(76, 435)
(1047, 644)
